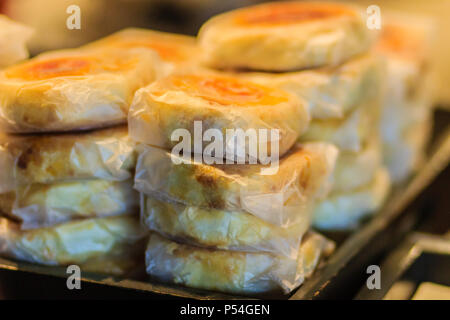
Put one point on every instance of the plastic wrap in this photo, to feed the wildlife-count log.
(220, 229)
(109, 245)
(107, 154)
(344, 211)
(175, 50)
(73, 89)
(42, 205)
(329, 92)
(350, 133)
(285, 36)
(356, 169)
(282, 198)
(192, 104)
(13, 38)
(231, 271)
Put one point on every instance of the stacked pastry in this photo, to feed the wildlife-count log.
(13, 39)
(322, 53)
(406, 118)
(66, 181)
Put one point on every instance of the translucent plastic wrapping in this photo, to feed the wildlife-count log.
(73, 89)
(106, 154)
(194, 109)
(330, 92)
(285, 36)
(42, 205)
(344, 211)
(109, 245)
(228, 230)
(231, 271)
(356, 169)
(283, 197)
(13, 38)
(349, 133)
(175, 50)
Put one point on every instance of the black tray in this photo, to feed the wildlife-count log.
(341, 276)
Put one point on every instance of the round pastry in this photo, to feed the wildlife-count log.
(285, 36)
(73, 89)
(194, 103)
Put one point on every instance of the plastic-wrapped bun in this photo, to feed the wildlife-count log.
(220, 229)
(285, 36)
(13, 38)
(281, 193)
(330, 92)
(174, 49)
(203, 107)
(73, 89)
(107, 154)
(247, 273)
(42, 205)
(108, 245)
(344, 211)
(350, 133)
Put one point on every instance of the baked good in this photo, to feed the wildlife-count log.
(73, 89)
(247, 273)
(285, 36)
(193, 103)
(107, 245)
(221, 229)
(345, 210)
(280, 193)
(42, 205)
(107, 154)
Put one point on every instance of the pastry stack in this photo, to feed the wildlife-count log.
(222, 216)
(406, 119)
(66, 186)
(321, 52)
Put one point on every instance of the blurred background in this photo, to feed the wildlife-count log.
(102, 17)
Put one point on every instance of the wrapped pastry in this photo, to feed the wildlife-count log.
(231, 271)
(107, 154)
(220, 229)
(42, 205)
(350, 133)
(184, 106)
(282, 197)
(407, 112)
(13, 38)
(331, 92)
(73, 89)
(344, 211)
(173, 49)
(285, 36)
(108, 245)
(356, 169)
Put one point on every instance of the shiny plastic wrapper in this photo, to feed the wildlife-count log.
(73, 89)
(345, 211)
(232, 271)
(356, 169)
(283, 36)
(42, 205)
(281, 193)
(13, 38)
(107, 245)
(191, 109)
(350, 133)
(107, 154)
(330, 92)
(220, 229)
